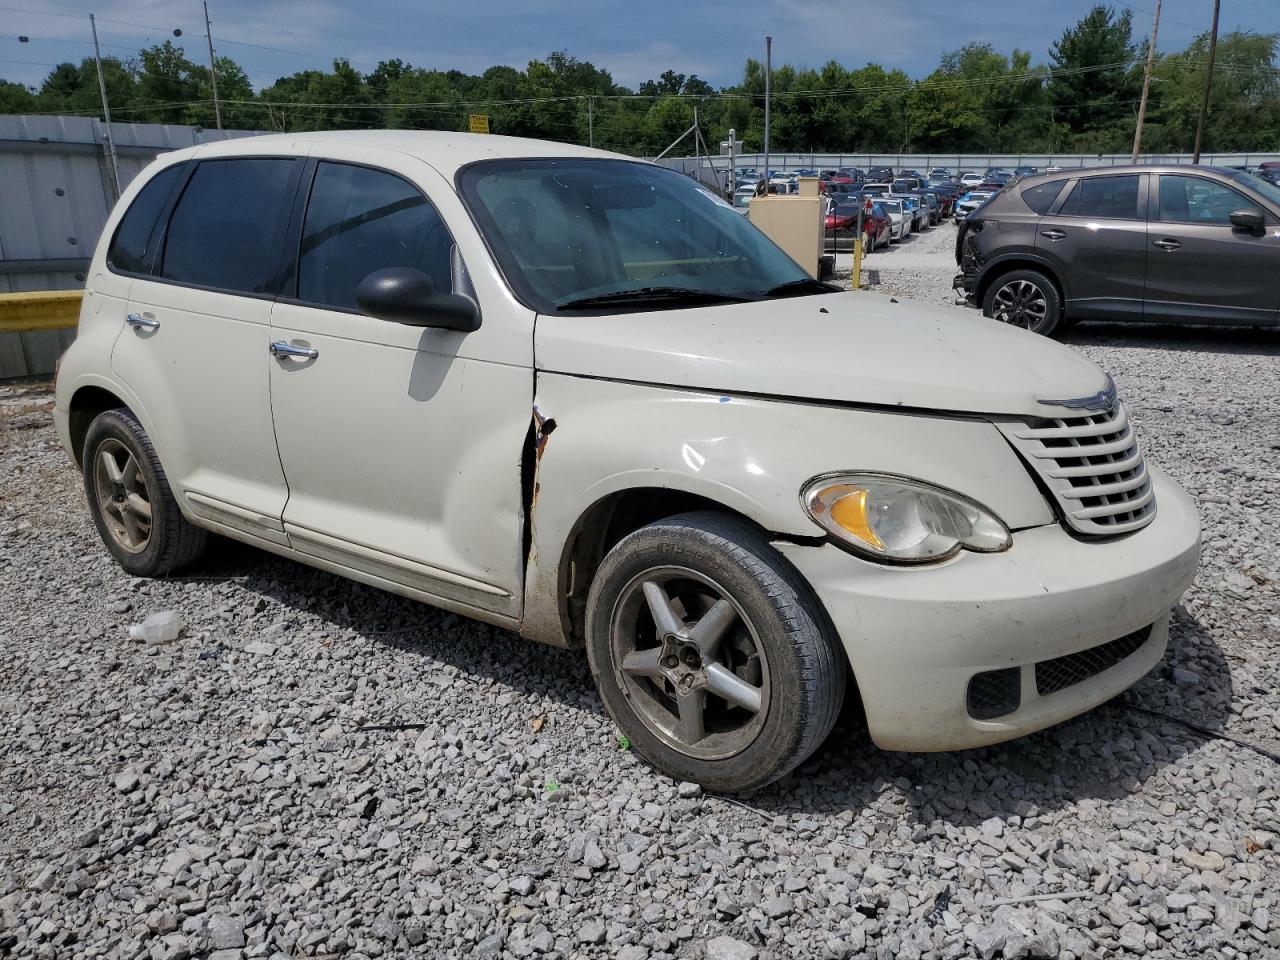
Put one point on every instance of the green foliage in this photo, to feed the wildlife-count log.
(977, 100)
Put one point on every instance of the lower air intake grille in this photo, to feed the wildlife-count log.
(1062, 672)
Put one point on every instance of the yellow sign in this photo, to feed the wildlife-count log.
(479, 123)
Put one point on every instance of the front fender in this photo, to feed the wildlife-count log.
(750, 454)
(999, 263)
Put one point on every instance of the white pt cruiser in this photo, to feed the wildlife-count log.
(579, 397)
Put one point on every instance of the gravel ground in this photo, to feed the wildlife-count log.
(315, 768)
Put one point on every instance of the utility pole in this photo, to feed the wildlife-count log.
(768, 92)
(1146, 84)
(1208, 82)
(213, 69)
(697, 146)
(591, 122)
(106, 108)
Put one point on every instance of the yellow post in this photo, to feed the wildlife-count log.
(857, 251)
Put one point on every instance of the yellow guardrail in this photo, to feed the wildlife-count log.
(39, 310)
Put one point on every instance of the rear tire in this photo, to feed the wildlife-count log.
(1024, 298)
(133, 508)
(733, 712)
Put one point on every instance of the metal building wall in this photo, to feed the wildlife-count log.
(56, 190)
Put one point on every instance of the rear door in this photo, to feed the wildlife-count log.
(1200, 267)
(1095, 236)
(195, 351)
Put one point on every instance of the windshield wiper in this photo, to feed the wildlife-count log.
(802, 286)
(671, 295)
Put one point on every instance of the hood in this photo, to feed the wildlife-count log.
(858, 348)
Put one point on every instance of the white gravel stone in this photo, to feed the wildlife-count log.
(252, 773)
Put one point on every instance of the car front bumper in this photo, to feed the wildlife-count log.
(917, 636)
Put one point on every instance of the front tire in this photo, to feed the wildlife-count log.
(133, 508)
(1024, 298)
(711, 652)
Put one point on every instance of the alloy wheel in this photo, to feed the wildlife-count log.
(690, 662)
(1021, 303)
(122, 496)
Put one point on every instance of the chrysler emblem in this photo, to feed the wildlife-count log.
(1104, 399)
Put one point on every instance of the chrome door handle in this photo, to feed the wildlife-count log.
(139, 322)
(1053, 234)
(1168, 244)
(280, 348)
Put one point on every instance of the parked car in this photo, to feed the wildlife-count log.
(970, 202)
(870, 189)
(939, 173)
(880, 174)
(1157, 243)
(971, 180)
(907, 184)
(1025, 171)
(916, 208)
(843, 218)
(453, 367)
(900, 217)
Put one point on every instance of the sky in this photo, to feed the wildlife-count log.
(634, 41)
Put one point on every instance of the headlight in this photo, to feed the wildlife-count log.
(897, 520)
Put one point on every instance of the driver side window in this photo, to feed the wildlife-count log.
(360, 220)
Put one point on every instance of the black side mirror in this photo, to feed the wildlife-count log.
(1251, 219)
(405, 295)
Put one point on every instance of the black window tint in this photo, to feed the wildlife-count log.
(1110, 198)
(361, 220)
(1040, 198)
(128, 251)
(225, 230)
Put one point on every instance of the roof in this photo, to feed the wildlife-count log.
(443, 149)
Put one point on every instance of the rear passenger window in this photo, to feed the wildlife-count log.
(361, 220)
(1040, 198)
(226, 230)
(128, 250)
(1107, 198)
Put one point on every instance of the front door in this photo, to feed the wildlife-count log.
(401, 444)
(1200, 267)
(1096, 238)
(195, 348)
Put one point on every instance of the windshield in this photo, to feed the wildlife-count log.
(567, 230)
(1254, 183)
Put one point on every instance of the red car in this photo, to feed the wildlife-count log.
(843, 218)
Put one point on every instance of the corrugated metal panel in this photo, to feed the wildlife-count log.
(56, 194)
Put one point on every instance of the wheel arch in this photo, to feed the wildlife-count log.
(87, 403)
(602, 525)
(1000, 266)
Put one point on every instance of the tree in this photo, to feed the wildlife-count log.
(1095, 80)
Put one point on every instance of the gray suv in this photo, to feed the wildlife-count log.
(1177, 244)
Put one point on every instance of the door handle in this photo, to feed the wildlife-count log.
(1053, 234)
(1168, 244)
(280, 348)
(139, 322)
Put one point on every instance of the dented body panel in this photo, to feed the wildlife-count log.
(749, 454)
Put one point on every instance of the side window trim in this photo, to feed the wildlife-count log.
(157, 227)
(157, 261)
(297, 226)
(292, 246)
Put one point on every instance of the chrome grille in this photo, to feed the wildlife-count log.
(1092, 466)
